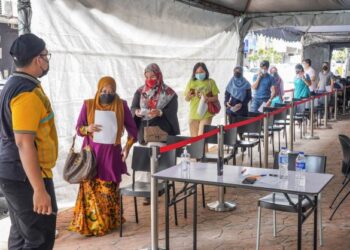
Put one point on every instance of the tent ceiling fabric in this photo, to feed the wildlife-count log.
(268, 6)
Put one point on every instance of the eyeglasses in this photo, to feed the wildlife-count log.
(47, 55)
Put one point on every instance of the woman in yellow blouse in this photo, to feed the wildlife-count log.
(200, 85)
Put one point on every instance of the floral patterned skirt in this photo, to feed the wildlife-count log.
(97, 208)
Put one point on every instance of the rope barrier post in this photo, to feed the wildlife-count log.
(311, 136)
(344, 100)
(291, 125)
(266, 140)
(221, 205)
(154, 198)
(325, 117)
(335, 104)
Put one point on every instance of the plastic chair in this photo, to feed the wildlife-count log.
(251, 132)
(279, 124)
(345, 144)
(196, 151)
(230, 138)
(279, 202)
(141, 162)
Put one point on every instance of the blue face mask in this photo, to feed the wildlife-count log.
(200, 76)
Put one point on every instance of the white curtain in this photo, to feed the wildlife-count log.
(90, 39)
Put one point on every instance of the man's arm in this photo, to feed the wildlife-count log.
(255, 85)
(29, 158)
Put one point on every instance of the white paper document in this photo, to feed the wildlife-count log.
(108, 121)
(261, 108)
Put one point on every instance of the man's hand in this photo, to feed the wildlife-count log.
(42, 202)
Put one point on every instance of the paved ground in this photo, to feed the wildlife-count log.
(232, 230)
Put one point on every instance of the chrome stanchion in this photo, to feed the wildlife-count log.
(266, 140)
(335, 104)
(334, 119)
(154, 199)
(291, 126)
(311, 136)
(325, 117)
(344, 100)
(221, 205)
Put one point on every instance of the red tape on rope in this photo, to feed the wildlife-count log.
(188, 141)
(208, 134)
(233, 125)
(288, 90)
(245, 122)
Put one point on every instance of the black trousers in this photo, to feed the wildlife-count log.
(29, 230)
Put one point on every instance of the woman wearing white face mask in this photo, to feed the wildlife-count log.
(200, 85)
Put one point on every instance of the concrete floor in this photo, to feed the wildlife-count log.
(231, 230)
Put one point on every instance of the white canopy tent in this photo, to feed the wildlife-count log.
(90, 39)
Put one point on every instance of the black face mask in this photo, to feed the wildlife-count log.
(44, 71)
(325, 68)
(107, 98)
(238, 74)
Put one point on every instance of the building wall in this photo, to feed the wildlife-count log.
(318, 53)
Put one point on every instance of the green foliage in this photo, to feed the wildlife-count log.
(339, 55)
(270, 54)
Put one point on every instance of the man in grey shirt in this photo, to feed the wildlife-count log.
(326, 78)
(326, 83)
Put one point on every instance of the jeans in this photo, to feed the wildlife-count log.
(256, 103)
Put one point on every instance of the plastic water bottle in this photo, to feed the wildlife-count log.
(300, 169)
(283, 163)
(185, 160)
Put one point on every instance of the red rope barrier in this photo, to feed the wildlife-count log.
(245, 122)
(288, 90)
(234, 125)
(208, 134)
(188, 141)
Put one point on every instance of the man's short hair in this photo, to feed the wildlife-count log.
(265, 63)
(308, 61)
(25, 48)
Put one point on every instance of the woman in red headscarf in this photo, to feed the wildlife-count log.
(97, 207)
(155, 104)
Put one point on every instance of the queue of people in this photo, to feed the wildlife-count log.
(28, 138)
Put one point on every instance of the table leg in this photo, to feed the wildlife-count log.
(299, 220)
(166, 215)
(195, 217)
(315, 221)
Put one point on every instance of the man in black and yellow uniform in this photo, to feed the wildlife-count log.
(28, 148)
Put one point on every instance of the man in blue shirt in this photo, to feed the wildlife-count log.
(264, 86)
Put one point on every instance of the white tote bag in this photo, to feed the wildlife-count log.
(202, 107)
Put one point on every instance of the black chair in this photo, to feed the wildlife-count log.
(141, 162)
(279, 124)
(261, 135)
(345, 144)
(230, 138)
(251, 132)
(196, 151)
(280, 202)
